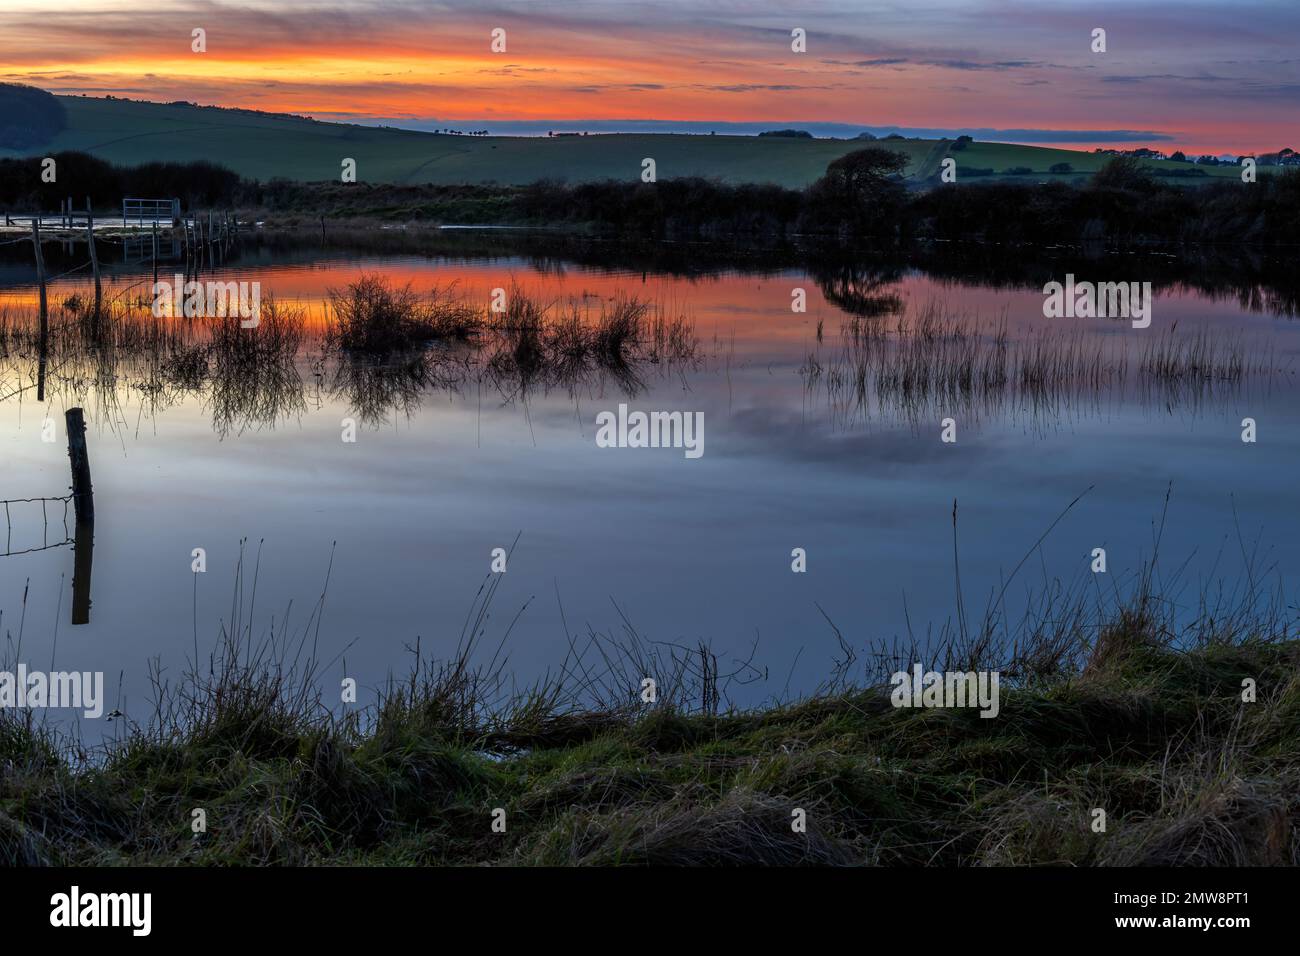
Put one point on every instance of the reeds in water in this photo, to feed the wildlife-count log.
(934, 360)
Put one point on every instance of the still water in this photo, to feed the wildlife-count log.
(405, 518)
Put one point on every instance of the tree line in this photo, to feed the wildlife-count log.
(861, 195)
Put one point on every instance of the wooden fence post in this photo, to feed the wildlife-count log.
(82, 493)
(83, 499)
(45, 315)
(94, 256)
(40, 274)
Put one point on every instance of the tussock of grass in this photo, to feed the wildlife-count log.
(371, 315)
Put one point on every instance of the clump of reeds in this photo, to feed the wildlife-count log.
(1204, 356)
(619, 328)
(933, 360)
(253, 372)
(565, 344)
(186, 366)
(373, 316)
(375, 386)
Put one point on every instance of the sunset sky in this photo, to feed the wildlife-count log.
(1221, 77)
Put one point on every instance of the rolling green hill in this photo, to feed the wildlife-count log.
(264, 146)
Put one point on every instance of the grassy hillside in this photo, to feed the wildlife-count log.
(263, 146)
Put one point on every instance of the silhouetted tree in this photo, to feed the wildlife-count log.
(860, 192)
(865, 176)
(1124, 172)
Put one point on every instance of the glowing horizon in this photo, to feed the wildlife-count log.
(1175, 75)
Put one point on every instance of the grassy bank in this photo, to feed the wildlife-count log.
(1106, 713)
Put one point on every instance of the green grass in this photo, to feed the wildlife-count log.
(1185, 777)
(1123, 721)
(264, 146)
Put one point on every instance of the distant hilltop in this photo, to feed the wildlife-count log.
(267, 146)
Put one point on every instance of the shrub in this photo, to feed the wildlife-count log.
(1123, 172)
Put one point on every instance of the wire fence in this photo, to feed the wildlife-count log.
(61, 520)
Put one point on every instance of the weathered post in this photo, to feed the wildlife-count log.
(94, 256)
(83, 499)
(155, 252)
(83, 495)
(45, 315)
(40, 275)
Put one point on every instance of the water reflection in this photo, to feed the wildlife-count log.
(823, 432)
(893, 357)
